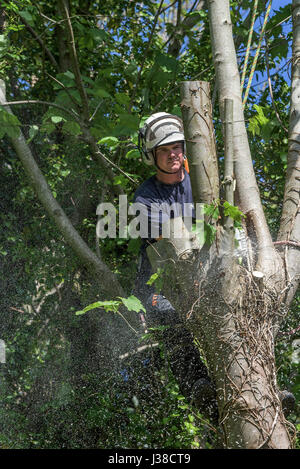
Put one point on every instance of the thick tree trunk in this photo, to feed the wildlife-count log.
(245, 309)
(232, 317)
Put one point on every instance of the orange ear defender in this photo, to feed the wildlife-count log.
(186, 164)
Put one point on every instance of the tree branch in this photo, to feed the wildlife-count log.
(109, 282)
(34, 101)
(39, 40)
(88, 138)
(73, 52)
(145, 54)
(186, 24)
(271, 89)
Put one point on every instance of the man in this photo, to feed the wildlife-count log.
(165, 195)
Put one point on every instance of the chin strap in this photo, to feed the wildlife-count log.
(168, 172)
(185, 163)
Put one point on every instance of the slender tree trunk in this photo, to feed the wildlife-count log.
(108, 280)
(176, 38)
(290, 220)
(228, 82)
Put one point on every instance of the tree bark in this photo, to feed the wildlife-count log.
(290, 219)
(232, 313)
(200, 142)
(228, 82)
(231, 310)
(232, 317)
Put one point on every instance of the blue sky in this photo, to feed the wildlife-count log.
(260, 79)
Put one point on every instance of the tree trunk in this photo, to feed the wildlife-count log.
(229, 309)
(228, 82)
(232, 317)
(107, 281)
(200, 143)
(290, 220)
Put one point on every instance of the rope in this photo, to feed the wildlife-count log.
(257, 52)
(249, 43)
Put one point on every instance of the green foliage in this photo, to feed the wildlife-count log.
(233, 212)
(157, 279)
(260, 124)
(132, 303)
(52, 397)
(9, 124)
(206, 229)
(132, 414)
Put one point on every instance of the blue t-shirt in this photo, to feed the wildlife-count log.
(157, 202)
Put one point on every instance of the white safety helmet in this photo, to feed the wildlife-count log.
(159, 129)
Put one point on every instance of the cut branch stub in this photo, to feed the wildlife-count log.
(200, 141)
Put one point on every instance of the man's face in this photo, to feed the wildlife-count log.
(170, 157)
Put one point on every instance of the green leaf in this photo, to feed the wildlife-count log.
(96, 132)
(259, 122)
(153, 278)
(27, 17)
(33, 130)
(67, 79)
(57, 119)
(254, 127)
(280, 49)
(69, 74)
(197, 14)
(157, 279)
(211, 210)
(209, 233)
(132, 303)
(107, 305)
(233, 212)
(134, 245)
(47, 127)
(122, 98)
(9, 124)
(99, 35)
(86, 41)
(127, 124)
(72, 128)
(110, 141)
(167, 62)
(132, 154)
(99, 92)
